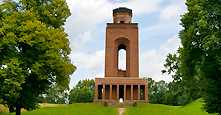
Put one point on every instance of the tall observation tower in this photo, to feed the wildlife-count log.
(125, 84)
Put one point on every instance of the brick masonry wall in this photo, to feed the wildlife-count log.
(122, 16)
(114, 81)
(117, 34)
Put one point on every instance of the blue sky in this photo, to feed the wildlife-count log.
(158, 22)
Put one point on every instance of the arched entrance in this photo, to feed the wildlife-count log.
(122, 44)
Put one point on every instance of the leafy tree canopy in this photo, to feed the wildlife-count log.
(201, 51)
(83, 92)
(34, 51)
(199, 60)
(156, 91)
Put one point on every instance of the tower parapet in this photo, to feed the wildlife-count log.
(122, 15)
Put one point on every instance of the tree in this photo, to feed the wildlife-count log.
(33, 51)
(86, 83)
(53, 95)
(200, 53)
(156, 91)
(180, 92)
(151, 83)
(83, 92)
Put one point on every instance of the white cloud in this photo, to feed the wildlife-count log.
(88, 22)
(173, 10)
(169, 19)
(99, 75)
(87, 14)
(89, 66)
(96, 62)
(151, 62)
(171, 45)
(118, 1)
(82, 39)
(91, 61)
(142, 6)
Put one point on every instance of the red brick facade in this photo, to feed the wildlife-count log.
(121, 34)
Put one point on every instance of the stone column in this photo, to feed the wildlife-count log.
(103, 92)
(132, 96)
(125, 93)
(110, 92)
(146, 92)
(138, 92)
(117, 92)
(96, 92)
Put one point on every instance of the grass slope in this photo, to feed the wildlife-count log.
(193, 108)
(151, 109)
(73, 109)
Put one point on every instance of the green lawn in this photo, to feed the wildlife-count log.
(193, 108)
(74, 109)
(151, 109)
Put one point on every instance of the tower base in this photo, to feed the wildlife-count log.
(128, 88)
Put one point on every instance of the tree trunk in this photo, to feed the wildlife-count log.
(18, 109)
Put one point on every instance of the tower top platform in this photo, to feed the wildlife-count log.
(122, 9)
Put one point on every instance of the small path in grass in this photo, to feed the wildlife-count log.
(121, 111)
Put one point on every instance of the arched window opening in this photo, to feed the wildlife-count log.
(122, 59)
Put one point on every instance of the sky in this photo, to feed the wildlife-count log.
(158, 22)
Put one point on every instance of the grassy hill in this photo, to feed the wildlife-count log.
(193, 108)
(73, 109)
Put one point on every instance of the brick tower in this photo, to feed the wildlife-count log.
(126, 84)
(121, 34)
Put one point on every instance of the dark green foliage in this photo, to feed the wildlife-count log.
(198, 66)
(83, 92)
(180, 92)
(156, 91)
(33, 53)
(201, 51)
(86, 83)
(81, 95)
